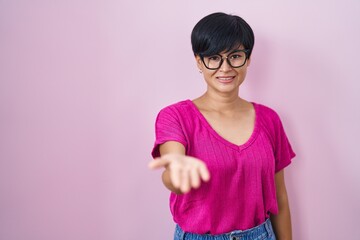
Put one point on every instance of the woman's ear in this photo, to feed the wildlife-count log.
(199, 62)
(248, 61)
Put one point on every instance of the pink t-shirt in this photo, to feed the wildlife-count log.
(241, 193)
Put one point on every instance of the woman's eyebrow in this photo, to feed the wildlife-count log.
(237, 50)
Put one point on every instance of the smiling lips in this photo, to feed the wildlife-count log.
(225, 79)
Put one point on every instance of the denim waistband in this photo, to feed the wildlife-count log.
(262, 231)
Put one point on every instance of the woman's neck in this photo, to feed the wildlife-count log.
(220, 103)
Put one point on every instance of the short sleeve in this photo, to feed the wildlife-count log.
(283, 150)
(168, 127)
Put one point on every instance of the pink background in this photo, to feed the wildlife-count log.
(82, 81)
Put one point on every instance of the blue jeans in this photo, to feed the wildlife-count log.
(262, 232)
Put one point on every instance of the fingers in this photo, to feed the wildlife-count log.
(190, 176)
(185, 180)
(195, 178)
(175, 176)
(204, 172)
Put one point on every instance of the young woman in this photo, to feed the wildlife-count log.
(224, 157)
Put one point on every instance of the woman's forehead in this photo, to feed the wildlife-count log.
(231, 50)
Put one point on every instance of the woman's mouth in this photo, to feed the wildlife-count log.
(226, 79)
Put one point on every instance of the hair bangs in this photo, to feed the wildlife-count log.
(222, 42)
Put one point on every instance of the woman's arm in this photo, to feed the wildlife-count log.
(171, 148)
(282, 221)
(181, 172)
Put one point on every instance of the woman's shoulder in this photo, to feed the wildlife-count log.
(178, 104)
(266, 112)
(179, 108)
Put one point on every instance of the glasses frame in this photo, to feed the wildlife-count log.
(246, 51)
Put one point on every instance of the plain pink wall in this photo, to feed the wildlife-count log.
(82, 81)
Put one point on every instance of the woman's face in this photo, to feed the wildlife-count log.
(226, 79)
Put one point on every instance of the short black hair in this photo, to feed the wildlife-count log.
(220, 32)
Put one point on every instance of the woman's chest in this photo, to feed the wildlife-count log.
(236, 130)
(222, 157)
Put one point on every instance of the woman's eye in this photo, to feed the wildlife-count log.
(214, 58)
(235, 56)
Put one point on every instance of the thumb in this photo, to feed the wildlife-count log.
(158, 163)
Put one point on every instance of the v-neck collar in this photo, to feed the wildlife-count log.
(222, 139)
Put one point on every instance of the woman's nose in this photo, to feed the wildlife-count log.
(225, 67)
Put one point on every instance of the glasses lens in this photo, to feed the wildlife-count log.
(237, 59)
(212, 62)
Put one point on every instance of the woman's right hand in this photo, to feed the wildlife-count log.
(184, 172)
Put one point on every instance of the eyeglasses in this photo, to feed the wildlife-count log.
(235, 59)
